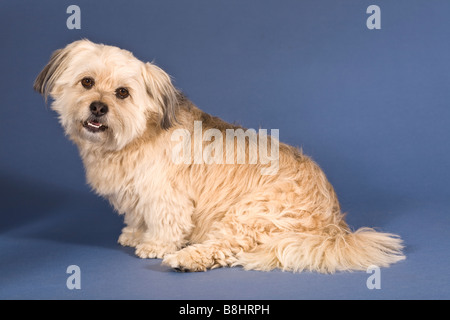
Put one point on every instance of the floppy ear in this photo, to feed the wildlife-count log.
(45, 81)
(160, 89)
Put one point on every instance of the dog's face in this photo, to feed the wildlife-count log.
(105, 96)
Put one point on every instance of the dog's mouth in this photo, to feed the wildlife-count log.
(94, 125)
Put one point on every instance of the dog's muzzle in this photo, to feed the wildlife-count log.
(94, 123)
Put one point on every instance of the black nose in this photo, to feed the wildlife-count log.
(98, 108)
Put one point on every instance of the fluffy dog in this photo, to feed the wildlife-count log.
(122, 114)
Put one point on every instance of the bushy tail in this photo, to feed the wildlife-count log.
(325, 253)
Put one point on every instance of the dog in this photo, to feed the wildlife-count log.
(123, 114)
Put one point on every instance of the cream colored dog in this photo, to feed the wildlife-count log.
(123, 115)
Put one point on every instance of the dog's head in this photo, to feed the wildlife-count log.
(105, 96)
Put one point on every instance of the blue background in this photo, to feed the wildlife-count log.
(370, 106)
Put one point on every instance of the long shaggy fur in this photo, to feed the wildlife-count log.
(324, 252)
(198, 216)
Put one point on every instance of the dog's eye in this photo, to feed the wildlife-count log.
(122, 93)
(87, 82)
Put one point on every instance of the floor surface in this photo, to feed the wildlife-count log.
(81, 229)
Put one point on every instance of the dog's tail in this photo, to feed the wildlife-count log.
(328, 252)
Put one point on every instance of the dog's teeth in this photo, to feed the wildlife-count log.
(94, 125)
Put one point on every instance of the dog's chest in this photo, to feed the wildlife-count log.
(125, 180)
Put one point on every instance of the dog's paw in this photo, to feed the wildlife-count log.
(128, 239)
(188, 260)
(151, 250)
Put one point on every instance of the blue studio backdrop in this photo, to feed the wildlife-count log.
(365, 93)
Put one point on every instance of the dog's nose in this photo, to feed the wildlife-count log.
(98, 108)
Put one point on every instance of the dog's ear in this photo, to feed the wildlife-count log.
(161, 90)
(45, 81)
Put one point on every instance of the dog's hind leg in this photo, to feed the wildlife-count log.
(200, 257)
(219, 249)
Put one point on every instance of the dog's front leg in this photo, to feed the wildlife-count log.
(168, 225)
(132, 234)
